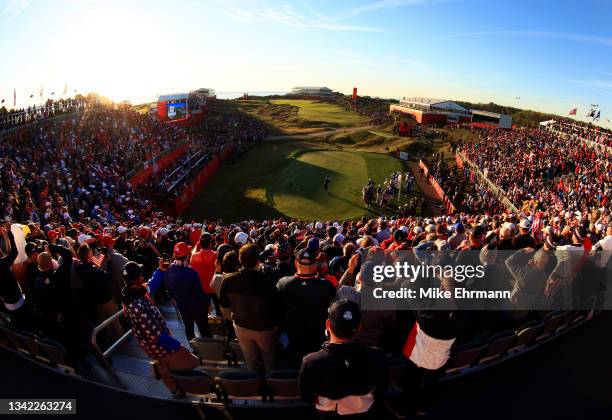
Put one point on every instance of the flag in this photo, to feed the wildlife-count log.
(596, 117)
(65, 89)
(1, 102)
(573, 111)
(98, 259)
(591, 113)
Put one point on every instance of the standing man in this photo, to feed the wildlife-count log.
(203, 261)
(326, 184)
(305, 298)
(344, 377)
(250, 299)
(184, 286)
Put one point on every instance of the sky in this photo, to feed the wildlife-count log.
(549, 56)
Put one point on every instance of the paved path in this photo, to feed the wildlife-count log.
(431, 197)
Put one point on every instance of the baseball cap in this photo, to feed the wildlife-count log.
(344, 318)
(107, 240)
(181, 249)
(131, 271)
(241, 238)
(121, 229)
(83, 238)
(306, 256)
(283, 249)
(313, 244)
(32, 247)
(525, 224)
(339, 238)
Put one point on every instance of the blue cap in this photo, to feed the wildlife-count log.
(313, 244)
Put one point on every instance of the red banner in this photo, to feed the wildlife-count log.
(159, 165)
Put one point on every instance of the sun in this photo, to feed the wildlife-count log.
(116, 56)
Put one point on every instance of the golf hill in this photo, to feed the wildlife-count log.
(284, 175)
(300, 116)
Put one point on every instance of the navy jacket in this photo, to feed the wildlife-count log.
(184, 286)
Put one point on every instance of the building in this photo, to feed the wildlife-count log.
(205, 93)
(492, 119)
(311, 91)
(432, 110)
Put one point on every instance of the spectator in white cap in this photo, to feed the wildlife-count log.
(241, 238)
(524, 238)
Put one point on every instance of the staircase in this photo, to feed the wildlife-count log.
(131, 364)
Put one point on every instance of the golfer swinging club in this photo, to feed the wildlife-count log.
(326, 184)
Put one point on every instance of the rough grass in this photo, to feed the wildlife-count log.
(323, 112)
(296, 116)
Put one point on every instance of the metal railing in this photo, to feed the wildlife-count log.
(103, 356)
(497, 191)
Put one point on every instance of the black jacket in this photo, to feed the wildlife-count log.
(252, 298)
(338, 371)
(97, 283)
(305, 301)
(52, 288)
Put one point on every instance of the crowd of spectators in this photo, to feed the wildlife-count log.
(541, 170)
(590, 132)
(18, 117)
(274, 279)
(85, 243)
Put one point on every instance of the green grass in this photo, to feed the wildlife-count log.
(285, 178)
(323, 112)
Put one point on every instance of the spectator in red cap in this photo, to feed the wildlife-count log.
(183, 285)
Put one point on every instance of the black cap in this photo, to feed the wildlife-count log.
(344, 318)
(306, 257)
(399, 235)
(31, 248)
(131, 271)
